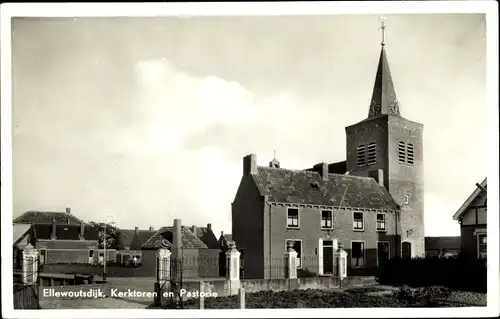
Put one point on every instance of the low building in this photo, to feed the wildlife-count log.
(472, 217)
(60, 237)
(442, 247)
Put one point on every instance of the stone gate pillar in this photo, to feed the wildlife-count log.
(290, 262)
(30, 265)
(233, 268)
(163, 276)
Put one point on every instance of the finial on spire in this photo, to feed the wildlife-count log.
(382, 27)
(274, 154)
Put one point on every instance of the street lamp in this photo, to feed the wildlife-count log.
(109, 220)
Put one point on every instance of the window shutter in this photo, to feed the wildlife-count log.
(320, 257)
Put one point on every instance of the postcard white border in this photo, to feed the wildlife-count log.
(8, 10)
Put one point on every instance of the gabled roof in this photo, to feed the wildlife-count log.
(189, 240)
(207, 236)
(129, 239)
(64, 232)
(42, 217)
(443, 242)
(19, 230)
(472, 197)
(308, 187)
(225, 239)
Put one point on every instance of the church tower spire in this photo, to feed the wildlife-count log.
(384, 99)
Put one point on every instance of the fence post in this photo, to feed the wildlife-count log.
(241, 293)
(290, 262)
(30, 265)
(233, 273)
(202, 295)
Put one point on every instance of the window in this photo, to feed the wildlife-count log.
(91, 253)
(326, 219)
(293, 218)
(381, 222)
(361, 155)
(409, 154)
(481, 240)
(358, 222)
(297, 246)
(407, 199)
(357, 254)
(401, 152)
(315, 185)
(371, 156)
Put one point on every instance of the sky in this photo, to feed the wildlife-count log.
(143, 120)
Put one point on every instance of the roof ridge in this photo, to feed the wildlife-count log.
(315, 172)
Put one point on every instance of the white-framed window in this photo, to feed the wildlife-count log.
(297, 246)
(358, 254)
(481, 246)
(326, 219)
(381, 224)
(292, 218)
(358, 221)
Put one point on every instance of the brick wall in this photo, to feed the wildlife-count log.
(310, 232)
(399, 179)
(247, 226)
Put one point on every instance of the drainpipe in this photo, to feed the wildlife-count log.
(266, 199)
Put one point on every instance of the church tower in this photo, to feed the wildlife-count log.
(387, 146)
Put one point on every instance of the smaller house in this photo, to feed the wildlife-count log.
(59, 236)
(442, 246)
(225, 240)
(129, 244)
(472, 217)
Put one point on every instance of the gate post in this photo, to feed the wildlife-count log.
(290, 262)
(233, 269)
(30, 265)
(163, 274)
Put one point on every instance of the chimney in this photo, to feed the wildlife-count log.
(378, 175)
(177, 239)
(249, 164)
(193, 229)
(54, 228)
(322, 169)
(136, 230)
(82, 230)
(151, 228)
(209, 227)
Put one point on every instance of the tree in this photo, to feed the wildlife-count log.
(112, 234)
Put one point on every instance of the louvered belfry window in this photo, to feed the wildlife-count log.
(371, 154)
(361, 155)
(406, 153)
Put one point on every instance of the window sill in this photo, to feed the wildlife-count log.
(359, 230)
(381, 230)
(292, 227)
(326, 228)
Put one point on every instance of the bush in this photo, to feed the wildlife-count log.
(427, 295)
(455, 273)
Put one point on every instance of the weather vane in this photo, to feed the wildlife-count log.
(382, 27)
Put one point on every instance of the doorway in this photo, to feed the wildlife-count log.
(406, 250)
(328, 262)
(383, 251)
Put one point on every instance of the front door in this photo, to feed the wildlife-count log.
(382, 251)
(328, 263)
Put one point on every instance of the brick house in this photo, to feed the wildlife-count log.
(199, 260)
(382, 212)
(472, 217)
(59, 236)
(130, 242)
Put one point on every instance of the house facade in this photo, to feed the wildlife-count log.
(372, 203)
(129, 244)
(443, 247)
(472, 217)
(60, 237)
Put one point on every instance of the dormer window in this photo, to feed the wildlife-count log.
(315, 185)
